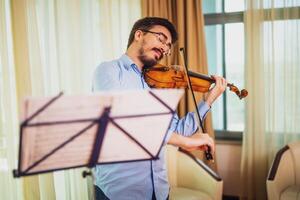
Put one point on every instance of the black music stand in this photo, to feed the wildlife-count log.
(65, 132)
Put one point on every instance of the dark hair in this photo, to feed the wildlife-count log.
(147, 23)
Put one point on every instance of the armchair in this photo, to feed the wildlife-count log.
(190, 178)
(283, 181)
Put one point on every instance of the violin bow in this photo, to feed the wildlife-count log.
(207, 152)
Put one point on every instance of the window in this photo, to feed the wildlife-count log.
(225, 49)
(224, 29)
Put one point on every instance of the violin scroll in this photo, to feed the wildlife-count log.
(241, 94)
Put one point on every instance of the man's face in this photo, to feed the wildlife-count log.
(154, 44)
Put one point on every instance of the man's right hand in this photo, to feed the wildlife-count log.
(198, 141)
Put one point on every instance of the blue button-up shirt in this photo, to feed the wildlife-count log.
(136, 180)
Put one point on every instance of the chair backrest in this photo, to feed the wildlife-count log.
(295, 156)
(287, 161)
(179, 165)
(171, 158)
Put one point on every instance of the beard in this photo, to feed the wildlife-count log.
(148, 62)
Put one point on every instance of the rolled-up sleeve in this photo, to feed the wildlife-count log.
(188, 124)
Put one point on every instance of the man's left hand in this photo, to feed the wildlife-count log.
(217, 90)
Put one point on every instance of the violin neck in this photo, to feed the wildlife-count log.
(205, 77)
(201, 76)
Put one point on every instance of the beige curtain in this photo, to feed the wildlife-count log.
(47, 47)
(272, 79)
(188, 18)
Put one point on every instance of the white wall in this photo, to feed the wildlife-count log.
(228, 155)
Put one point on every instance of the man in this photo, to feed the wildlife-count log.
(150, 39)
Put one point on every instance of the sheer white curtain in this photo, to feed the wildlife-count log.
(57, 44)
(10, 188)
(272, 79)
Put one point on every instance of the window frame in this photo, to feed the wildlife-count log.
(222, 19)
(238, 17)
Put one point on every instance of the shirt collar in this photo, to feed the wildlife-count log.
(127, 62)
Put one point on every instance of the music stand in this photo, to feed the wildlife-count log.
(65, 132)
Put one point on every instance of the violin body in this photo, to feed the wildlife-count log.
(160, 76)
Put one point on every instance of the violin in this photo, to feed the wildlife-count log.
(174, 76)
(160, 76)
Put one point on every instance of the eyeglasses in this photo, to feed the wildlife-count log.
(161, 38)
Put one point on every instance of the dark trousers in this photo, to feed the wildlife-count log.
(99, 194)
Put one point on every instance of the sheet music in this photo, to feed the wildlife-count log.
(62, 135)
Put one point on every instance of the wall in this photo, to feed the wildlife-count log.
(228, 155)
